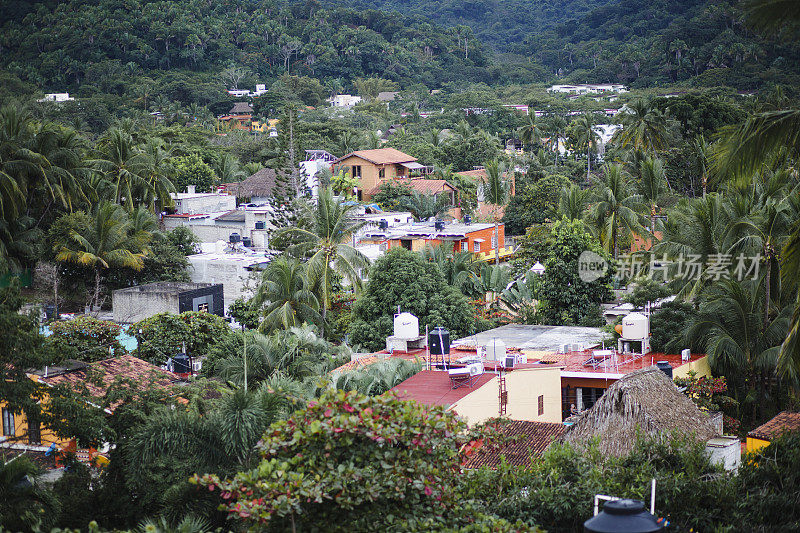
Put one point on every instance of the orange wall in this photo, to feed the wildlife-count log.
(485, 234)
(369, 173)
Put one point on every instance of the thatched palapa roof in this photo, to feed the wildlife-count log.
(261, 184)
(645, 402)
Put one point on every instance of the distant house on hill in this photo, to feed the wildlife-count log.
(374, 167)
(240, 116)
(646, 403)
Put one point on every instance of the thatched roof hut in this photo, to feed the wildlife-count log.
(645, 402)
(264, 183)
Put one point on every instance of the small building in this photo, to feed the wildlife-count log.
(236, 269)
(580, 89)
(192, 203)
(784, 422)
(259, 187)
(56, 97)
(478, 238)
(645, 402)
(143, 301)
(315, 161)
(387, 96)
(344, 100)
(373, 167)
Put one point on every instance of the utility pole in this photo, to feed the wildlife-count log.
(244, 356)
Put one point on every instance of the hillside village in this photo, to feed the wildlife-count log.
(296, 294)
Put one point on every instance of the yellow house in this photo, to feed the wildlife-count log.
(23, 432)
(374, 167)
(783, 422)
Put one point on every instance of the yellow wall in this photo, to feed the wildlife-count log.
(700, 366)
(21, 432)
(369, 173)
(524, 388)
(753, 444)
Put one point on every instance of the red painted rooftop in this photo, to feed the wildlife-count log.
(432, 387)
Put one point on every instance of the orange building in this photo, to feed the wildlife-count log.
(477, 238)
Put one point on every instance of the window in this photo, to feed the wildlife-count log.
(464, 246)
(8, 423)
(356, 171)
(203, 307)
(476, 247)
(541, 405)
(34, 430)
(382, 173)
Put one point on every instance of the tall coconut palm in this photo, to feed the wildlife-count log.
(652, 187)
(556, 126)
(122, 164)
(106, 243)
(495, 192)
(155, 188)
(456, 267)
(17, 161)
(423, 206)
(644, 127)
(615, 212)
(228, 169)
(587, 136)
(729, 326)
(573, 202)
(789, 363)
(531, 132)
(285, 296)
(330, 229)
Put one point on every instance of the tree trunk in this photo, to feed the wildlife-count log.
(96, 289)
(768, 275)
(588, 161)
(496, 241)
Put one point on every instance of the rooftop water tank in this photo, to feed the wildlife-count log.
(247, 242)
(260, 224)
(439, 225)
(235, 237)
(495, 350)
(406, 326)
(634, 326)
(383, 224)
(467, 220)
(439, 341)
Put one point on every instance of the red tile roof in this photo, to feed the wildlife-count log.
(432, 387)
(380, 156)
(98, 377)
(782, 423)
(526, 440)
(421, 185)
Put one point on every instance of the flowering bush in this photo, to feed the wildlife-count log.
(350, 461)
(92, 339)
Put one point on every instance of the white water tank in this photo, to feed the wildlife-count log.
(406, 326)
(635, 327)
(495, 350)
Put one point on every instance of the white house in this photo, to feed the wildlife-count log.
(56, 97)
(588, 88)
(192, 203)
(344, 100)
(233, 265)
(315, 161)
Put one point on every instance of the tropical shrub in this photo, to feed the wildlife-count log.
(89, 339)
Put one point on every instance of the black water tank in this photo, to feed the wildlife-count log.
(247, 242)
(260, 224)
(467, 220)
(623, 516)
(235, 237)
(181, 364)
(439, 225)
(383, 225)
(439, 341)
(665, 367)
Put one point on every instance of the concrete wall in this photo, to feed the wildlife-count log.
(233, 277)
(524, 388)
(201, 204)
(133, 306)
(700, 366)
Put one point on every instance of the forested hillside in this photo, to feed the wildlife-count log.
(101, 46)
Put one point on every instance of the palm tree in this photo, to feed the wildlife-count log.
(423, 206)
(18, 242)
(556, 126)
(573, 202)
(122, 164)
(456, 267)
(24, 503)
(331, 227)
(107, 243)
(644, 127)
(495, 192)
(348, 141)
(703, 151)
(16, 160)
(154, 191)
(789, 363)
(652, 187)
(616, 209)
(228, 170)
(586, 135)
(531, 132)
(285, 295)
(729, 327)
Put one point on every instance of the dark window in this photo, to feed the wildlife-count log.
(405, 244)
(203, 307)
(356, 171)
(34, 430)
(382, 173)
(541, 405)
(8, 423)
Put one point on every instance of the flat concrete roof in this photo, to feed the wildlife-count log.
(539, 338)
(167, 287)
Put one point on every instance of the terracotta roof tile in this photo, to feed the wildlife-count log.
(380, 156)
(432, 387)
(97, 377)
(528, 439)
(421, 185)
(782, 423)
